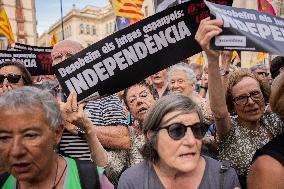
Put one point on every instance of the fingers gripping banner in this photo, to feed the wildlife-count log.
(248, 30)
(134, 53)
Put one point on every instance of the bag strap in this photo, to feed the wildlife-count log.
(225, 166)
(88, 174)
(3, 178)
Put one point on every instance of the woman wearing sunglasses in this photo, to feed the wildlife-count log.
(13, 75)
(172, 151)
(241, 122)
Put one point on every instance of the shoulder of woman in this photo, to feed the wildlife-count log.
(218, 167)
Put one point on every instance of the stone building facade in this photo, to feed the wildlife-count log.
(22, 17)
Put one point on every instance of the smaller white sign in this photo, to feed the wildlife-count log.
(230, 40)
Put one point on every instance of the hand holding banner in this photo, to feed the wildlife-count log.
(134, 53)
(247, 30)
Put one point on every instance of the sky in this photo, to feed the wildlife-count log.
(48, 11)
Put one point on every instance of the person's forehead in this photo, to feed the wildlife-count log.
(136, 90)
(66, 46)
(177, 74)
(10, 69)
(245, 85)
(261, 70)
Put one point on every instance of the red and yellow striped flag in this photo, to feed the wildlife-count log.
(5, 27)
(54, 39)
(129, 9)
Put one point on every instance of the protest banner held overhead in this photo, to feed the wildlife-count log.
(134, 53)
(20, 46)
(36, 59)
(247, 30)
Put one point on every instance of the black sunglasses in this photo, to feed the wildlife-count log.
(12, 78)
(177, 130)
(263, 73)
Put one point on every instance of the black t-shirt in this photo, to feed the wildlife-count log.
(275, 149)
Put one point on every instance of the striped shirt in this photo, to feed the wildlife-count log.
(106, 111)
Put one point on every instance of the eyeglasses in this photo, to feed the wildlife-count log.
(12, 78)
(177, 130)
(263, 73)
(243, 99)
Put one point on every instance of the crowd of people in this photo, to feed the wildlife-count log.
(187, 126)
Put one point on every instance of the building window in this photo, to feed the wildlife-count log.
(94, 30)
(88, 29)
(146, 11)
(107, 28)
(81, 28)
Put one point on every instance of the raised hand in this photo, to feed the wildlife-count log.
(74, 114)
(206, 31)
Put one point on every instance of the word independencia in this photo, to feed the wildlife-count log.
(123, 59)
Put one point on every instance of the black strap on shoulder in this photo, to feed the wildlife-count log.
(3, 178)
(225, 166)
(88, 174)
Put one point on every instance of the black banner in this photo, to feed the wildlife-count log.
(24, 47)
(248, 30)
(134, 53)
(38, 63)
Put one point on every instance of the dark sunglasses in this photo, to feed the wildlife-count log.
(177, 130)
(12, 78)
(263, 73)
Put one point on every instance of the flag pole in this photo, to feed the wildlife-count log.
(62, 20)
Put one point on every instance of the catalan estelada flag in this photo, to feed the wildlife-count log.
(5, 27)
(54, 39)
(129, 9)
(127, 12)
(265, 6)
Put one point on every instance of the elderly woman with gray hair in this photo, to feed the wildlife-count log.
(172, 152)
(31, 126)
(182, 79)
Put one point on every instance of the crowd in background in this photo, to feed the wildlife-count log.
(187, 126)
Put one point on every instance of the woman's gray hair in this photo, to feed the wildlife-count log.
(258, 66)
(182, 67)
(165, 105)
(30, 99)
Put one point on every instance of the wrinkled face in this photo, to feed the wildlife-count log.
(198, 72)
(159, 78)
(13, 74)
(178, 82)
(139, 100)
(248, 108)
(180, 155)
(27, 144)
(263, 74)
(64, 50)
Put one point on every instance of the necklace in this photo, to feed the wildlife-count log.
(54, 182)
